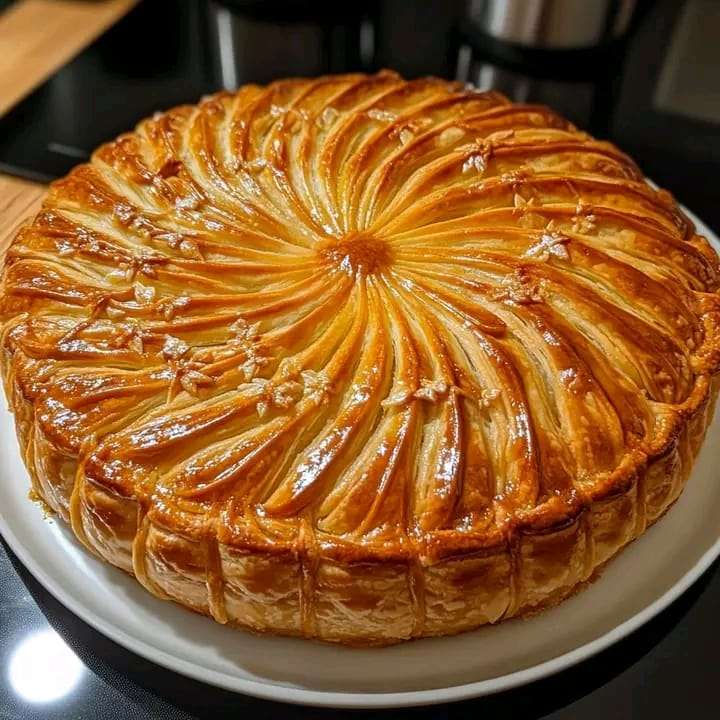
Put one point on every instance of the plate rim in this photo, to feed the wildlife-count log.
(369, 700)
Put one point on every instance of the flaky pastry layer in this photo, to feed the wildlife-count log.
(358, 358)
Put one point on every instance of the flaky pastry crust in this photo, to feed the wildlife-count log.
(359, 359)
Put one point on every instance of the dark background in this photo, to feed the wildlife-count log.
(654, 89)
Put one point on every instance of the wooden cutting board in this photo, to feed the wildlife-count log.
(19, 200)
(36, 38)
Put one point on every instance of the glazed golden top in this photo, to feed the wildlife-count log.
(384, 314)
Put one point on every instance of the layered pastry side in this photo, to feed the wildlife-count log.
(359, 359)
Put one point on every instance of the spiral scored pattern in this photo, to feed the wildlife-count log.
(284, 353)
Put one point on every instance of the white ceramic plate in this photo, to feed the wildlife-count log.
(636, 586)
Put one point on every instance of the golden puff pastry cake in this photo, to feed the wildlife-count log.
(357, 358)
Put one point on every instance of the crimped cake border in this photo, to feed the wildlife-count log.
(302, 590)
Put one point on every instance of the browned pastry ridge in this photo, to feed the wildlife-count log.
(359, 359)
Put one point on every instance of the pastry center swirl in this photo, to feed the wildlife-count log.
(356, 253)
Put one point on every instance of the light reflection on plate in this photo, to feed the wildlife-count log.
(43, 668)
